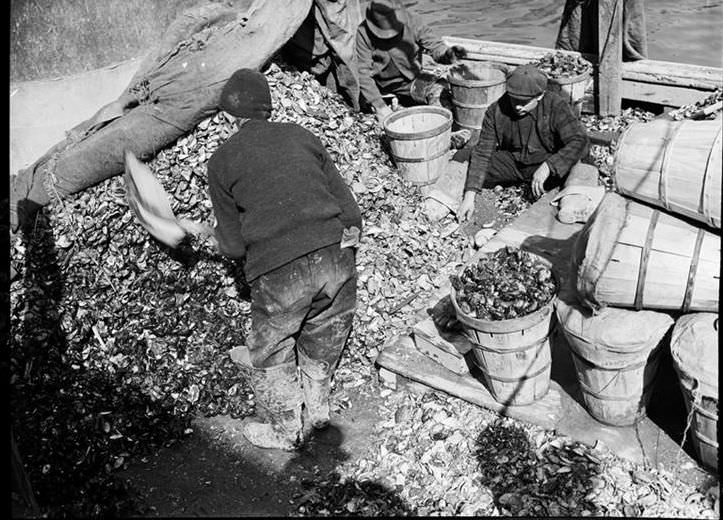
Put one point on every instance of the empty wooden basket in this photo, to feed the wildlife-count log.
(419, 139)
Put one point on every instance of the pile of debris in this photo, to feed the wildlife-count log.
(437, 455)
(603, 155)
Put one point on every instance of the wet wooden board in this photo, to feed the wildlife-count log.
(400, 356)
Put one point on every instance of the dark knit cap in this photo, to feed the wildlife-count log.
(246, 94)
(526, 81)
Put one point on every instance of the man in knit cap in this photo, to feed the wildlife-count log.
(527, 135)
(282, 206)
(389, 45)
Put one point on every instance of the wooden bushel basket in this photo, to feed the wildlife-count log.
(419, 139)
(615, 361)
(694, 348)
(571, 89)
(632, 255)
(673, 164)
(513, 355)
(617, 395)
(474, 86)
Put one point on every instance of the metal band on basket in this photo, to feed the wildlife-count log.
(420, 159)
(514, 379)
(663, 185)
(644, 258)
(690, 285)
(590, 391)
(705, 208)
(537, 344)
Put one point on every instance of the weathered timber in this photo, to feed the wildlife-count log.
(666, 83)
(400, 356)
(429, 341)
(673, 74)
(610, 57)
(666, 95)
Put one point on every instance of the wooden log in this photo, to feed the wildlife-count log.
(610, 56)
(400, 356)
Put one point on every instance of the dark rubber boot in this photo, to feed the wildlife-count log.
(278, 395)
(316, 385)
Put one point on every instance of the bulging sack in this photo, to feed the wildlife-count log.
(616, 357)
(694, 348)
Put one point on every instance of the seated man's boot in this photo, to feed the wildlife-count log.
(316, 385)
(278, 394)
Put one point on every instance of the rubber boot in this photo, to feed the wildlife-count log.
(278, 393)
(316, 385)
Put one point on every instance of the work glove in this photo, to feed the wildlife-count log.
(452, 54)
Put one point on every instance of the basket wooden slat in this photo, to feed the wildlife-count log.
(631, 255)
(675, 165)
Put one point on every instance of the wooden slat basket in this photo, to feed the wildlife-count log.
(694, 348)
(419, 139)
(673, 164)
(631, 255)
(513, 355)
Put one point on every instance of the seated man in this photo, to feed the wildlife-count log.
(389, 45)
(528, 135)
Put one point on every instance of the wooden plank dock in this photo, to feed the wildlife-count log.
(651, 441)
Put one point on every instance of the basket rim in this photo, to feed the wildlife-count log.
(413, 110)
(565, 80)
(454, 79)
(510, 324)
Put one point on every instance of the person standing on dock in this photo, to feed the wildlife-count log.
(293, 220)
(528, 135)
(324, 46)
(389, 46)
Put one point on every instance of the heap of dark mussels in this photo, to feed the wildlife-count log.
(506, 284)
(562, 65)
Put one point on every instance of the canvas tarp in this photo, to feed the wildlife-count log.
(176, 86)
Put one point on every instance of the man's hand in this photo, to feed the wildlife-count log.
(538, 180)
(466, 208)
(200, 230)
(382, 113)
(459, 52)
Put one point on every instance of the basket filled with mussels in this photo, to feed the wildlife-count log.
(507, 284)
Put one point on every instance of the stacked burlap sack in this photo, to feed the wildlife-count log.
(650, 253)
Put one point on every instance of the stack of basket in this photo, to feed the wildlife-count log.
(653, 248)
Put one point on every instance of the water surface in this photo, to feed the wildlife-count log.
(687, 31)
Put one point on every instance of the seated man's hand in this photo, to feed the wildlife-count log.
(538, 180)
(466, 208)
(459, 52)
(382, 113)
(453, 54)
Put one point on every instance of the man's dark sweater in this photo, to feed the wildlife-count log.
(277, 196)
(549, 133)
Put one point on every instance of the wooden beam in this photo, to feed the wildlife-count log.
(666, 95)
(610, 56)
(399, 355)
(673, 74)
